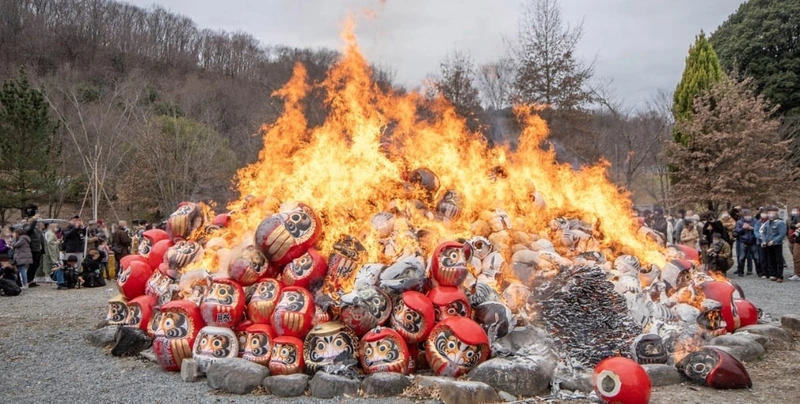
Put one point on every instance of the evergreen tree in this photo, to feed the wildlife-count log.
(27, 144)
(702, 71)
(759, 40)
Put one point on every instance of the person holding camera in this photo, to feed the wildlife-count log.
(746, 243)
(74, 240)
(718, 253)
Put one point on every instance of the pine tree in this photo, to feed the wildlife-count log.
(732, 153)
(27, 144)
(702, 71)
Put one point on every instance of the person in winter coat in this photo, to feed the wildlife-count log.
(121, 242)
(729, 224)
(75, 238)
(713, 225)
(773, 231)
(746, 243)
(689, 235)
(22, 255)
(658, 222)
(91, 270)
(51, 242)
(31, 228)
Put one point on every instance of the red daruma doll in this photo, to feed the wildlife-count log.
(178, 328)
(294, 313)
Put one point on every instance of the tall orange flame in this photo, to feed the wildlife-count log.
(352, 167)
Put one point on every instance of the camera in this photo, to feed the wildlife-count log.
(30, 211)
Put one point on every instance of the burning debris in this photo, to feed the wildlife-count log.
(349, 254)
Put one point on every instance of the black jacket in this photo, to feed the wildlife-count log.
(74, 239)
(32, 230)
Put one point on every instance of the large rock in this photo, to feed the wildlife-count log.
(791, 323)
(325, 385)
(287, 386)
(426, 382)
(385, 384)
(779, 339)
(526, 377)
(236, 375)
(506, 397)
(759, 339)
(744, 349)
(461, 392)
(130, 341)
(662, 375)
(190, 372)
(103, 337)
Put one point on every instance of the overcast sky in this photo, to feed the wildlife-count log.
(639, 44)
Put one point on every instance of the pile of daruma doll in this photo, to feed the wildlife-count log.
(269, 307)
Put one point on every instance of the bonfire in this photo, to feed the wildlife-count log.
(385, 240)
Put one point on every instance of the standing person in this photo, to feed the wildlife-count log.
(91, 236)
(121, 242)
(773, 232)
(31, 228)
(75, 238)
(677, 228)
(689, 235)
(51, 250)
(729, 223)
(746, 243)
(762, 267)
(713, 225)
(105, 253)
(22, 255)
(658, 222)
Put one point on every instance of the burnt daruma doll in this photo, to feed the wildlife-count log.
(294, 312)
(285, 236)
(149, 239)
(326, 342)
(307, 271)
(117, 310)
(723, 293)
(455, 346)
(343, 261)
(178, 327)
(250, 266)
(449, 301)
(140, 310)
(413, 316)
(384, 350)
(715, 368)
(621, 380)
(241, 334)
(132, 281)
(262, 303)
(287, 356)
(184, 221)
(649, 349)
(223, 304)
(212, 344)
(180, 255)
(258, 348)
(449, 263)
(365, 309)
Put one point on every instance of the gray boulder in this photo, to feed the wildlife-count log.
(581, 382)
(506, 397)
(462, 392)
(791, 323)
(236, 375)
(662, 375)
(385, 384)
(779, 338)
(520, 376)
(287, 385)
(325, 385)
(744, 349)
(103, 337)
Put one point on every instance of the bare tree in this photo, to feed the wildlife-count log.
(548, 71)
(455, 82)
(495, 83)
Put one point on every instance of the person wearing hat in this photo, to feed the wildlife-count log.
(773, 231)
(75, 238)
(67, 274)
(718, 255)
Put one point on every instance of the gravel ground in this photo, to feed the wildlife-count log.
(46, 359)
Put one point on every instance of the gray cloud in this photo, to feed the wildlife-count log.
(639, 44)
